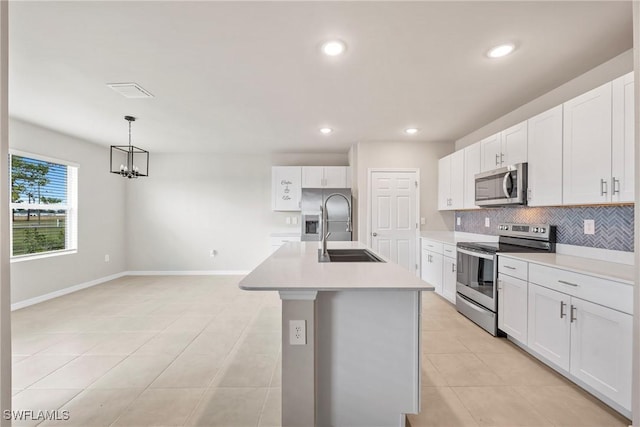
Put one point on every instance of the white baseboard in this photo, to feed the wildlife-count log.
(65, 291)
(70, 289)
(189, 273)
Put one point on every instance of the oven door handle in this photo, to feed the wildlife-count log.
(475, 254)
(507, 192)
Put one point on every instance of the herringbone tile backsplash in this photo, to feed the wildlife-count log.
(614, 224)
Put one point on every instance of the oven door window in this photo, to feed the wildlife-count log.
(476, 273)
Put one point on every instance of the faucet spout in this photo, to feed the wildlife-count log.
(325, 221)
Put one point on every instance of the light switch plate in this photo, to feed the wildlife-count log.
(297, 332)
(288, 220)
(295, 220)
(487, 222)
(589, 226)
(423, 221)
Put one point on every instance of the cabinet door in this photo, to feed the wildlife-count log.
(285, 188)
(601, 348)
(471, 168)
(512, 307)
(548, 327)
(335, 177)
(514, 145)
(545, 158)
(312, 176)
(586, 159)
(457, 180)
(449, 279)
(622, 154)
(444, 183)
(432, 270)
(490, 150)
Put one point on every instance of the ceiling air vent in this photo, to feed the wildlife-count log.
(130, 90)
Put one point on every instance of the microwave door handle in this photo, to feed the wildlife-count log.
(507, 192)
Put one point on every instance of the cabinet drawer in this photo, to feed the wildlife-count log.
(432, 245)
(615, 295)
(513, 267)
(448, 250)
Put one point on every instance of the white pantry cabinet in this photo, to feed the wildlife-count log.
(325, 177)
(471, 168)
(545, 158)
(285, 188)
(449, 274)
(451, 181)
(505, 148)
(622, 154)
(512, 307)
(586, 170)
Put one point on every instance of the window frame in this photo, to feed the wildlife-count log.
(71, 207)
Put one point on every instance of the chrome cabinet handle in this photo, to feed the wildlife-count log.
(568, 283)
(509, 267)
(453, 268)
(573, 310)
(616, 186)
(562, 313)
(497, 157)
(603, 187)
(501, 158)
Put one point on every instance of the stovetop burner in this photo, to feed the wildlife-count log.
(517, 238)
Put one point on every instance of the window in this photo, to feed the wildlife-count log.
(43, 205)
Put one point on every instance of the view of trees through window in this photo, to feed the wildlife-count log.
(39, 205)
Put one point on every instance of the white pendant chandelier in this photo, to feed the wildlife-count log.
(129, 161)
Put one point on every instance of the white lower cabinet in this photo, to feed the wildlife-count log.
(601, 348)
(591, 342)
(548, 326)
(449, 279)
(431, 271)
(512, 307)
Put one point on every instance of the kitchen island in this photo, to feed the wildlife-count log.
(359, 361)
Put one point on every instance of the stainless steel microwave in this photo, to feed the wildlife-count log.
(501, 187)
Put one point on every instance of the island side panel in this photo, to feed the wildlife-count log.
(298, 365)
(367, 357)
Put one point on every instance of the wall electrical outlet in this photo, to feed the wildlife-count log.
(487, 222)
(297, 332)
(589, 226)
(295, 220)
(106, 258)
(288, 220)
(423, 221)
(458, 220)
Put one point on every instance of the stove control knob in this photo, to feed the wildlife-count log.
(500, 227)
(506, 227)
(535, 229)
(543, 230)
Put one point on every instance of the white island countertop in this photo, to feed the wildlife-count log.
(295, 266)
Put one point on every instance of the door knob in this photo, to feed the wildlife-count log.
(374, 234)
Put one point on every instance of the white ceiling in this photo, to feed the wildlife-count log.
(248, 76)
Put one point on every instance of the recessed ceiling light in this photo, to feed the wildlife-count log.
(326, 131)
(334, 47)
(411, 131)
(500, 51)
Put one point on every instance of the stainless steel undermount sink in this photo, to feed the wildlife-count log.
(348, 255)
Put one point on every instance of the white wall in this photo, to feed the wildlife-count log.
(192, 203)
(422, 155)
(101, 198)
(593, 78)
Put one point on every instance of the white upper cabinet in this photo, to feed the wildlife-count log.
(285, 188)
(545, 158)
(586, 171)
(451, 181)
(490, 150)
(622, 154)
(471, 168)
(325, 177)
(505, 148)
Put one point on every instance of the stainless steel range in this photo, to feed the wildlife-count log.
(477, 295)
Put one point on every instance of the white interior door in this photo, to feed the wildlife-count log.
(394, 223)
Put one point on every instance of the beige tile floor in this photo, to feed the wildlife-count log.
(197, 351)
